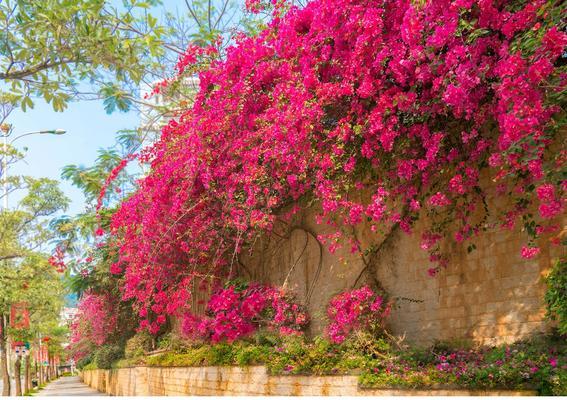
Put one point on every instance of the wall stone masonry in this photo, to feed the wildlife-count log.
(489, 296)
(246, 381)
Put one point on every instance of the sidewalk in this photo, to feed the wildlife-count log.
(68, 386)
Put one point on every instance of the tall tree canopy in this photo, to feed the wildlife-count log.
(53, 49)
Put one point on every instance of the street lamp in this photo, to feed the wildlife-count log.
(50, 132)
(5, 135)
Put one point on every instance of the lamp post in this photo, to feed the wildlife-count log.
(5, 135)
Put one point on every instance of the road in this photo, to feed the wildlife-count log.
(68, 386)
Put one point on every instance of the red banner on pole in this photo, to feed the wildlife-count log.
(43, 354)
(19, 316)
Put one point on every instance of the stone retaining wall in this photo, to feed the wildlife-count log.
(244, 381)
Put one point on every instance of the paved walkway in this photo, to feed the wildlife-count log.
(68, 386)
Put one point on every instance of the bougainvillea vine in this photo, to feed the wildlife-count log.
(356, 310)
(430, 108)
(234, 313)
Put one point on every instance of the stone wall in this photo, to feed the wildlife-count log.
(247, 381)
(488, 296)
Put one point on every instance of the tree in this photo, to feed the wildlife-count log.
(25, 229)
(214, 24)
(24, 237)
(51, 49)
(32, 282)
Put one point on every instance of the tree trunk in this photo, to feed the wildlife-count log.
(27, 376)
(38, 365)
(50, 367)
(17, 375)
(4, 357)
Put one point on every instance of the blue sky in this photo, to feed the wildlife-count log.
(88, 129)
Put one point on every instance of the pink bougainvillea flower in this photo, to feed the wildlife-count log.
(530, 252)
(390, 100)
(358, 309)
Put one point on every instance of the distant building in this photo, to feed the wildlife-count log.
(68, 315)
(154, 113)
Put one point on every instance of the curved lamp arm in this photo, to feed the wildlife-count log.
(48, 132)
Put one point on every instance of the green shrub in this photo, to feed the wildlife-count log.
(558, 383)
(89, 367)
(106, 355)
(252, 354)
(210, 355)
(411, 379)
(267, 338)
(193, 358)
(221, 354)
(172, 342)
(288, 355)
(358, 352)
(84, 361)
(138, 345)
(556, 295)
(361, 342)
(129, 362)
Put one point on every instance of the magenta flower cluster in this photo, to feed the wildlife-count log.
(233, 314)
(95, 322)
(356, 310)
(416, 105)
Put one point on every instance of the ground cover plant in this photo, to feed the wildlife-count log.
(538, 364)
(556, 295)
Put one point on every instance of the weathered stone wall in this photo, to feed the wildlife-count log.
(489, 296)
(248, 381)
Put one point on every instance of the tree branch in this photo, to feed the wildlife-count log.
(35, 69)
(10, 257)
